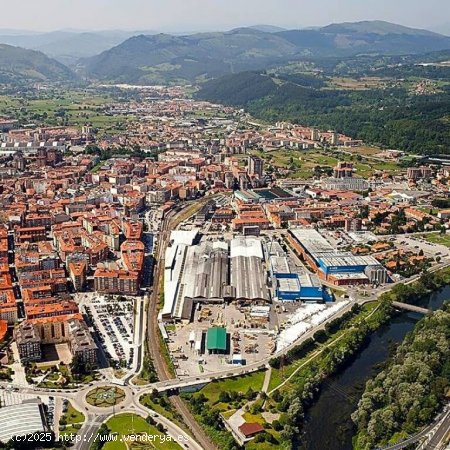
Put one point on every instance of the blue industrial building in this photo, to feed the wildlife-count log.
(299, 285)
(345, 264)
(338, 267)
(288, 286)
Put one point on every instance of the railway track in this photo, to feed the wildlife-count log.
(153, 334)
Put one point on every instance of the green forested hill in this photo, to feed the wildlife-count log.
(18, 64)
(408, 392)
(390, 116)
(166, 58)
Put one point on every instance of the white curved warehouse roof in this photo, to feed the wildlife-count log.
(246, 246)
(20, 420)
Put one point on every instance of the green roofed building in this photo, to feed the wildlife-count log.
(216, 340)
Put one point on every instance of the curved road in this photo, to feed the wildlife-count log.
(96, 416)
(436, 433)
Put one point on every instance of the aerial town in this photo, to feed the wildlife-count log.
(206, 247)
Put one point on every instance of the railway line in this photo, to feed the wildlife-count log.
(153, 335)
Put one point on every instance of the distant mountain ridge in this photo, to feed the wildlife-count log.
(267, 28)
(18, 64)
(162, 57)
(68, 46)
(375, 26)
(143, 59)
(147, 58)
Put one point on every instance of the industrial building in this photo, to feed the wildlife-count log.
(295, 283)
(216, 340)
(335, 266)
(21, 420)
(263, 195)
(345, 184)
(212, 272)
(248, 275)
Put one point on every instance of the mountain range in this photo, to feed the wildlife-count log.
(148, 58)
(68, 46)
(21, 65)
(162, 57)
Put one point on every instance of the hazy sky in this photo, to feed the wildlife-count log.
(187, 15)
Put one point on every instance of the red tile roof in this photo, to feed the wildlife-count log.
(250, 429)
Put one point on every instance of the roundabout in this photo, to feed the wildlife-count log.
(105, 396)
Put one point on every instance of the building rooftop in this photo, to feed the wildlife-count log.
(216, 339)
(249, 278)
(246, 246)
(250, 429)
(20, 420)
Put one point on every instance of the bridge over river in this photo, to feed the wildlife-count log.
(413, 308)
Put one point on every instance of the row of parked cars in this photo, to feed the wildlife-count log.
(116, 340)
(51, 411)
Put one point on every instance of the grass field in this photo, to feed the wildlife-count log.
(240, 384)
(164, 408)
(437, 238)
(240, 387)
(73, 419)
(301, 163)
(364, 150)
(131, 424)
(73, 415)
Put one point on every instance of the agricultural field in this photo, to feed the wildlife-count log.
(73, 108)
(363, 83)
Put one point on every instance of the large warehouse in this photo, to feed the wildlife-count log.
(21, 420)
(263, 195)
(248, 275)
(333, 265)
(212, 272)
(295, 283)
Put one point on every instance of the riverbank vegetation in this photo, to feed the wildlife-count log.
(425, 285)
(407, 394)
(296, 378)
(303, 379)
(294, 382)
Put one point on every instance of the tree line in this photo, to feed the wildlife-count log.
(406, 395)
(391, 117)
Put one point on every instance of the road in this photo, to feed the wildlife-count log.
(434, 434)
(89, 430)
(439, 434)
(96, 416)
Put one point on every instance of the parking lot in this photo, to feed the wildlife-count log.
(417, 243)
(113, 321)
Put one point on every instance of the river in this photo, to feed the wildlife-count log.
(328, 425)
